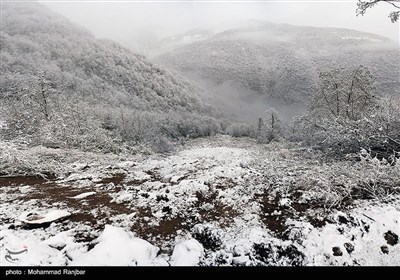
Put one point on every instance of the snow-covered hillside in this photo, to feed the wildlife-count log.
(98, 81)
(107, 159)
(282, 61)
(217, 201)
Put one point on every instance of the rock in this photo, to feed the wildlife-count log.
(145, 195)
(391, 238)
(349, 247)
(167, 210)
(385, 249)
(37, 220)
(337, 252)
(342, 219)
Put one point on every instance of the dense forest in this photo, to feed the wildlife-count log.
(280, 62)
(69, 84)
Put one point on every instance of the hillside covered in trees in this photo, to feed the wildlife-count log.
(280, 63)
(69, 83)
(107, 159)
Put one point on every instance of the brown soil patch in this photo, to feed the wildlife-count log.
(274, 216)
(51, 192)
(116, 179)
(7, 181)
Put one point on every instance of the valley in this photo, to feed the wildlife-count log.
(258, 144)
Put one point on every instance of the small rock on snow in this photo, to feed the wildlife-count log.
(337, 252)
(391, 238)
(385, 249)
(349, 247)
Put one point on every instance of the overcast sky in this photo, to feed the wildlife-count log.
(134, 24)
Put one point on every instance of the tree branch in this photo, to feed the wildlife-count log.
(391, 3)
(362, 7)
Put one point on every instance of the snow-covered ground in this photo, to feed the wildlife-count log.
(211, 203)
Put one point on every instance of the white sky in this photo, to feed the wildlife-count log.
(133, 23)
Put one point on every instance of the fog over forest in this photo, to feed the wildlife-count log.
(154, 29)
(140, 25)
(199, 133)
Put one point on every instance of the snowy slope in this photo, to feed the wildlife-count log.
(208, 204)
(37, 42)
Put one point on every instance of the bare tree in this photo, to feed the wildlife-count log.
(260, 128)
(41, 96)
(342, 112)
(343, 94)
(269, 129)
(363, 6)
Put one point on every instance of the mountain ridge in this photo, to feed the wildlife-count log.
(282, 61)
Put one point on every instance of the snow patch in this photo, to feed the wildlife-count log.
(36, 219)
(118, 247)
(60, 240)
(83, 195)
(187, 253)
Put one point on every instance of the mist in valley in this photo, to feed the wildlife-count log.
(158, 29)
(242, 104)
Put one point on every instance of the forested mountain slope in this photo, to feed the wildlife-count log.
(43, 52)
(282, 61)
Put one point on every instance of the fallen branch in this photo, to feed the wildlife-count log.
(369, 217)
